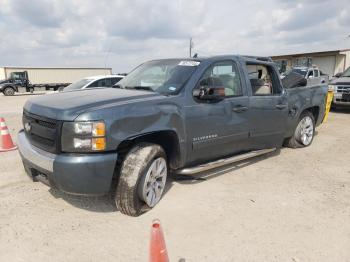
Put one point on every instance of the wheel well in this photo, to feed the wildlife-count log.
(315, 110)
(168, 140)
(5, 87)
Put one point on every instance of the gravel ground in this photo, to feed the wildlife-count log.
(292, 205)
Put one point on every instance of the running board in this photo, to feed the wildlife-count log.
(222, 162)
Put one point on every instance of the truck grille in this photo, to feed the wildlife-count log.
(343, 89)
(42, 132)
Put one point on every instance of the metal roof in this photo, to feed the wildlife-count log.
(318, 53)
(34, 67)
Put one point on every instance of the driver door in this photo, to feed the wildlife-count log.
(218, 128)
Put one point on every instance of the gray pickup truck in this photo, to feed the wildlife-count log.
(179, 116)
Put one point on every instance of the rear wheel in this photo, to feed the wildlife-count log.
(304, 132)
(142, 179)
(9, 91)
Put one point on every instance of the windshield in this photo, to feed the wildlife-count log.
(162, 76)
(346, 73)
(77, 85)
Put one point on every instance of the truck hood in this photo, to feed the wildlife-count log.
(340, 81)
(3, 81)
(69, 105)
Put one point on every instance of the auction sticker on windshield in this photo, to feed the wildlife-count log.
(189, 63)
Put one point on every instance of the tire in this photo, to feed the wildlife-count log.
(31, 90)
(304, 131)
(9, 91)
(136, 179)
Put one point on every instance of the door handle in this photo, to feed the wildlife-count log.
(239, 109)
(281, 106)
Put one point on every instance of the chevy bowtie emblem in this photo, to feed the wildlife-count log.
(27, 127)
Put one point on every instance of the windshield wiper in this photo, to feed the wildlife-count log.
(148, 88)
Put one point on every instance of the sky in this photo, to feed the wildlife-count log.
(124, 33)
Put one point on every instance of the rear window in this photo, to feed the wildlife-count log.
(300, 71)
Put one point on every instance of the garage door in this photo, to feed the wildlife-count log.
(325, 63)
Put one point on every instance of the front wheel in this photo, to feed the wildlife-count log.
(9, 91)
(142, 179)
(304, 132)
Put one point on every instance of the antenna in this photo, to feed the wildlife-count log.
(107, 55)
(191, 46)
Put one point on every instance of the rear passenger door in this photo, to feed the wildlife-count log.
(219, 128)
(268, 107)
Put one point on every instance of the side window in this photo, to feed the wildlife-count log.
(316, 73)
(310, 73)
(223, 74)
(108, 82)
(262, 80)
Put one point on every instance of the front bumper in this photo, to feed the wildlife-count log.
(81, 174)
(337, 100)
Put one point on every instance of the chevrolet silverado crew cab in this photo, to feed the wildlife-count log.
(167, 116)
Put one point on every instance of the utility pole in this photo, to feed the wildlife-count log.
(191, 46)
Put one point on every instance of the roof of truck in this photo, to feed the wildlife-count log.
(203, 58)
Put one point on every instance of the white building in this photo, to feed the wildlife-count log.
(46, 75)
(329, 62)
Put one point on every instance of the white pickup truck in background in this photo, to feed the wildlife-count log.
(313, 75)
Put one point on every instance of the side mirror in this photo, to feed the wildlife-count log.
(210, 93)
(338, 75)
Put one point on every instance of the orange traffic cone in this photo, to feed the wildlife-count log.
(6, 143)
(158, 252)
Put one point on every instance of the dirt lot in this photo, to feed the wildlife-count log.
(293, 205)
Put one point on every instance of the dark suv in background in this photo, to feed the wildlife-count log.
(341, 88)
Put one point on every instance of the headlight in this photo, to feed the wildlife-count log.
(332, 88)
(83, 136)
(90, 128)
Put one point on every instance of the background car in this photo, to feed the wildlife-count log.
(313, 75)
(93, 82)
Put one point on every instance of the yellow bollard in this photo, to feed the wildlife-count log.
(328, 105)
